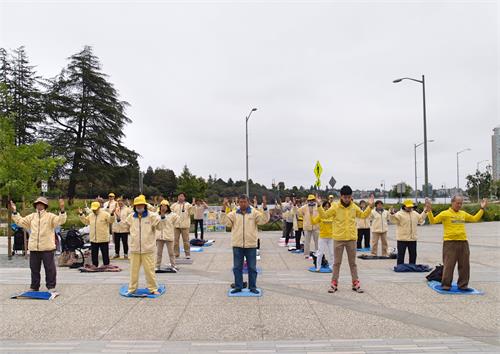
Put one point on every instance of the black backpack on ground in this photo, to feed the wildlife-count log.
(436, 274)
(197, 242)
(19, 240)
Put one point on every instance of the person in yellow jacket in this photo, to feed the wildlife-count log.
(363, 226)
(344, 214)
(308, 212)
(244, 236)
(99, 222)
(298, 221)
(379, 227)
(120, 228)
(455, 244)
(165, 236)
(406, 221)
(325, 237)
(42, 242)
(183, 209)
(143, 226)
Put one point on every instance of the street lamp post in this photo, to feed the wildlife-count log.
(458, 168)
(382, 185)
(246, 139)
(426, 189)
(479, 163)
(415, 146)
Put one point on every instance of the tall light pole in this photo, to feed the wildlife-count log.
(426, 189)
(382, 185)
(479, 163)
(415, 146)
(246, 139)
(458, 168)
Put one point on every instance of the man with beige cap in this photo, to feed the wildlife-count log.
(42, 242)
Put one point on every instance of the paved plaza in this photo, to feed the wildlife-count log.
(397, 313)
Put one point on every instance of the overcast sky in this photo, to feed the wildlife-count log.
(320, 74)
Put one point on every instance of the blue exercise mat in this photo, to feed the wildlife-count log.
(244, 293)
(35, 295)
(322, 270)
(436, 286)
(194, 249)
(366, 249)
(245, 270)
(142, 292)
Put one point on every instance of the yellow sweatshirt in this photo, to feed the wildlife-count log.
(454, 223)
(99, 225)
(325, 226)
(244, 231)
(344, 220)
(42, 225)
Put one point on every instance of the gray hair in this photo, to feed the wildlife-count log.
(456, 196)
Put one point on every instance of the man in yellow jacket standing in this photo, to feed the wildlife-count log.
(42, 242)
(455, 244)
(406, 221)
(143, 226)
(183, 209)
(243, 223)
(345, 235)
(99, 222)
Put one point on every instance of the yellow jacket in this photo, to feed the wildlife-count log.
(307, 217)
(363, 223)
(120, 226)
(298, 219)
(99, 225)
(379, 220)
(143, 231)
(244, 226)
(406, 224)
(325, 226)
(167, 232)
(42, 225)
(184, 212)
(454, 223)
(344, 220)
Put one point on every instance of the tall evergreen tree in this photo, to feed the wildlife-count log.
(87, 119)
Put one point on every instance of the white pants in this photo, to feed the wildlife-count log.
(325, 248)
(313, 234)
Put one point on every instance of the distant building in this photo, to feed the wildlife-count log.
(495, 150)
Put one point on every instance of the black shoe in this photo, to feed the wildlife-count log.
(254, 291)
(235, 291)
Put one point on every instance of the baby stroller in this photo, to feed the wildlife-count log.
(74, 249)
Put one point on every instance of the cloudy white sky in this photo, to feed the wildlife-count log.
(320, 74)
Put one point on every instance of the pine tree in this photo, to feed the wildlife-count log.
(87, 120)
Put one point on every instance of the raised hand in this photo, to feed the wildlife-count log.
(225, 203)
(13, 206)
(255, 202)
(371, 201)
(484, 203)
(392, 211)
(61, 204)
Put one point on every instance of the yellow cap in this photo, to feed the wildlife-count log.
(94, 206)
(164, 202)
(140, 200)
(408, 203)
(311, 197)
(111, 194)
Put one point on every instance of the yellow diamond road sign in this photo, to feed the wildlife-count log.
(318, 170)
(317, 183)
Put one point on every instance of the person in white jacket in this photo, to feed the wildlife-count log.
(165, 236)
(379, 227)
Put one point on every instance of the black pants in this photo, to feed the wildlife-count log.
(288, 231)
(49, 264)
(363, 233)
(412, 250)
(298, 235)
(196, 223)
(117, 236)
(94, 249)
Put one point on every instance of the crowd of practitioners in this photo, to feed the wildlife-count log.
(328, 228)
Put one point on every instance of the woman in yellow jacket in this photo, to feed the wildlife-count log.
(165, 236)
(308, 212)
(99, 221)
(325, 246)
(42, 242)
(143, 226)
(406, 221)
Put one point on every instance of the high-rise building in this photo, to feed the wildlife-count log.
(495, 150)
